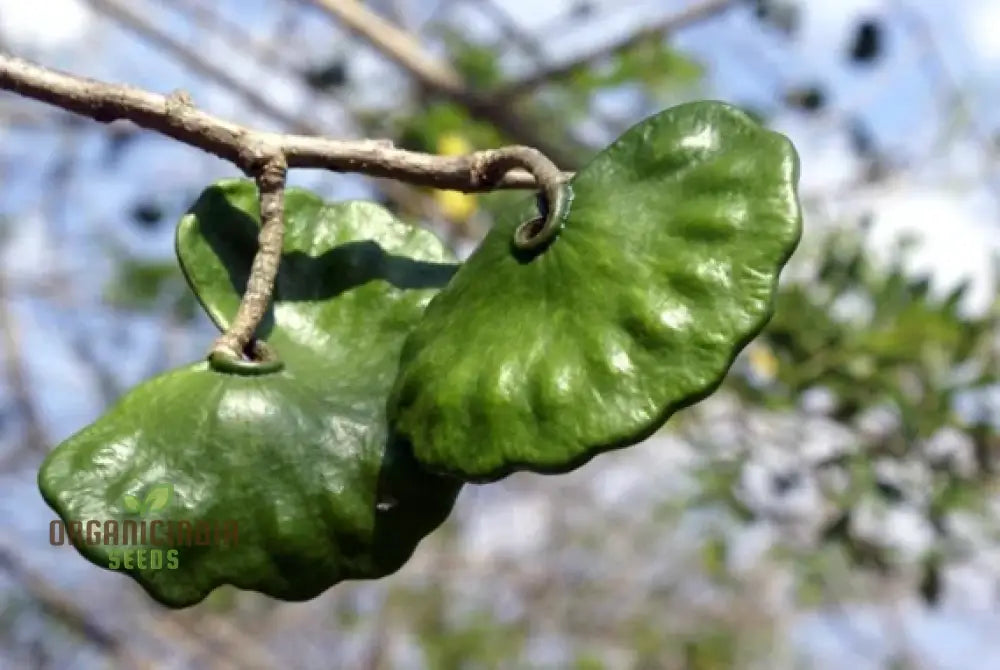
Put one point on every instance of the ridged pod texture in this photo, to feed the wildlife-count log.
(665, 267)
(300, 460)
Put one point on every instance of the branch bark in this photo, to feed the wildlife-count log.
(267, 156)
(176, 116)
(399, 192)
(271, 178)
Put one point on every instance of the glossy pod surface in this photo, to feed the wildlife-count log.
(663, 269)
(297, 457)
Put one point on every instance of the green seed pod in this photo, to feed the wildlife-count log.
(663, 268)
(284, 477)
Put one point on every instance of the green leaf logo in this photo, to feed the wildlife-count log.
(158, 498)
(131, 504)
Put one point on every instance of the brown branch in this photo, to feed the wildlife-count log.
(175, 116)
(693, 14)
(409, 198)
(267, 156)
(263, 272)
(396, 191)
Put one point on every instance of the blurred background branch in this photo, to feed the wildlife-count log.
(834, 505)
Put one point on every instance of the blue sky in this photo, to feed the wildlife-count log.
(942, 195)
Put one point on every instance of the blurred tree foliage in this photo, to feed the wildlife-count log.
(869, 339)
(866, 335)
(852, 340)
(143, 285)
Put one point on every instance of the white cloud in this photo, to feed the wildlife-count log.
(981, 21)
(43, 24)
(26, 252)
(826, 158)
(955, 241)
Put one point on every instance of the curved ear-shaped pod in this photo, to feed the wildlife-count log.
(663, 268)
(282, 476)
